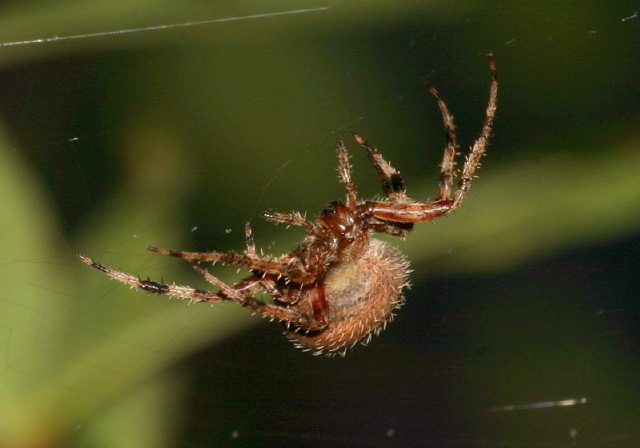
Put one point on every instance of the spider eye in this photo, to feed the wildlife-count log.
(338, 218)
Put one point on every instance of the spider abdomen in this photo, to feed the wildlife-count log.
(360, 298)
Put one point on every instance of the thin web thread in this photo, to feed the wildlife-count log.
(160, 27)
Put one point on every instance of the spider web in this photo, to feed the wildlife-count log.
(172, 125)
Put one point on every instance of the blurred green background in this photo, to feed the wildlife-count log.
(176, 136)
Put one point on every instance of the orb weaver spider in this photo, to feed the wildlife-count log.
(339, 286)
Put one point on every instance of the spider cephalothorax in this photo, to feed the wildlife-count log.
(340, 285)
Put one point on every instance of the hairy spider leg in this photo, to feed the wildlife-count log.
(282, 266)
(448, 164)
(480, 145)
(250, 242)
(442, 205)
(392, 182)
(344, 170)
(290, 315)
(231, 258)
(293, 218)
(255, 283)
(238, 293)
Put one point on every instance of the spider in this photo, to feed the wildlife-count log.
(339, 286)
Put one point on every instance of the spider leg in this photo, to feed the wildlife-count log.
(401, 229)
(448, 159)
(258, 281)
(392, 182)
(480, 145)
(231, 258)
(250, 242)
(293, 218)
(255, 283)
(344, 169)
(226, 293)
(182, 292)
(408, 213)
(434, 208)
(283, 266)
(283, 314)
